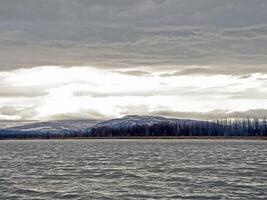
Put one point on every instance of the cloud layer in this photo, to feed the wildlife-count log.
(228, 36)
(103, 59)
(86, 92)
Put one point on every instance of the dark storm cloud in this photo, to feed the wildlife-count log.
(228, 36)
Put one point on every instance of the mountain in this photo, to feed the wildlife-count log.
(137, 120)
(133, 126)
(61, 126)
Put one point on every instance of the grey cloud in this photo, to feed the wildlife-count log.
(256, 113)
(118, 94)
(211, 115)
(247, 33)
(242, 71)
(215, 114)
(211, 92)
(135, 110)
(245, 76)
(186, 91)
(7, 110)
(24, 113)
(191, 115)
(81, 114)
(189, 71)
(135, 73)
(9, 90)
(229, 36)
(252, 93)
(21, 92)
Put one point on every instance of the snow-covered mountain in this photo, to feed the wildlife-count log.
(63, 126)
(132, 125)
(135, 125)
(139, 120)
(85, 127)
(57, 127)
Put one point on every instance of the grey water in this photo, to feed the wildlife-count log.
(133, 169)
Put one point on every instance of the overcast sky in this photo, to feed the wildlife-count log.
(101, 59)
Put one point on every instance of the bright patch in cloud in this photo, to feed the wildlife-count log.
(85, 90)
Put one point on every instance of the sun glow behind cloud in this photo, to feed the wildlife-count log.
(82, 90)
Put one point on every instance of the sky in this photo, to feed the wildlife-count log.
(76, 59)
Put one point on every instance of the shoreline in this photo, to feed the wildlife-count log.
(150, 138)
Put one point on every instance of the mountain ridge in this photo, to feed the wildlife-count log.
(136, 126)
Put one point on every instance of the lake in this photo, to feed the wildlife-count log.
(133, 169)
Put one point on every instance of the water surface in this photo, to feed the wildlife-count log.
(133, 169)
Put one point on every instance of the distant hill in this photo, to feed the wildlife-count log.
(56, 127)
(134, 126)
(47, 129)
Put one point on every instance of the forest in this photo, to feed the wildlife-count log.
(225, 127)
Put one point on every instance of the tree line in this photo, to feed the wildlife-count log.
(224, 127)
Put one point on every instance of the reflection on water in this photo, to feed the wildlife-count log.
(133, 169)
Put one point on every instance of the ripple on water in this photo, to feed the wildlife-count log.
(133, 169)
